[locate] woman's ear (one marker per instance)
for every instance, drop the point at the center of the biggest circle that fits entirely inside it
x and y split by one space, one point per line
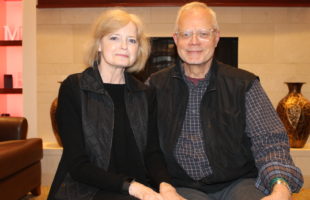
99 45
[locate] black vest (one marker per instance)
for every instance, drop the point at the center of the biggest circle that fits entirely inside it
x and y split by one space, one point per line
96 113
222 117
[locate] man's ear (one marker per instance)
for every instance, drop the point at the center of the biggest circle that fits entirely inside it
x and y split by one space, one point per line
217 37
175 38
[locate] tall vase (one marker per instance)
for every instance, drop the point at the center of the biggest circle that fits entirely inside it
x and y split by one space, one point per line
294 111
53 121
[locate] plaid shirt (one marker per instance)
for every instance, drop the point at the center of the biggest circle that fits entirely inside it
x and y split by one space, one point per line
190 151
270 145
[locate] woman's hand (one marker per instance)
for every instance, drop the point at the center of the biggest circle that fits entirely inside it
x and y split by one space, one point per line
143 192
168 192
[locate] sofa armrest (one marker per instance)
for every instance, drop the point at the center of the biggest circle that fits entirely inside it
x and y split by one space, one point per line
13 128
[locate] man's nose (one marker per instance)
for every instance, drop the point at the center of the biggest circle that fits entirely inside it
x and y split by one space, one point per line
194 39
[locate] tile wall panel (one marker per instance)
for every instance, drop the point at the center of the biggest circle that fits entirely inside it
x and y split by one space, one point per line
273 43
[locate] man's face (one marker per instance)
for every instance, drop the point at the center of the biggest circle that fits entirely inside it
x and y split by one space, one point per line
196 38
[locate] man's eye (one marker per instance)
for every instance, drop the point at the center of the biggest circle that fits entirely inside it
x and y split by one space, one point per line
204 34
186 34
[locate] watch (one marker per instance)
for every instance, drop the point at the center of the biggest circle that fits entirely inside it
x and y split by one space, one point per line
276 181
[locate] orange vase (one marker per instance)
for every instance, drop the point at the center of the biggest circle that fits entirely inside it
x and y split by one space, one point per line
294 111
53 121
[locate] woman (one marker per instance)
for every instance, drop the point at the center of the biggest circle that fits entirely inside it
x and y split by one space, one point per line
103 116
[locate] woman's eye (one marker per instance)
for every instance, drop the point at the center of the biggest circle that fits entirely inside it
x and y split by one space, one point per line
114 38
133 41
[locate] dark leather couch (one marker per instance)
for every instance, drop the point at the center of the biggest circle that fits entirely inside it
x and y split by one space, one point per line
20 159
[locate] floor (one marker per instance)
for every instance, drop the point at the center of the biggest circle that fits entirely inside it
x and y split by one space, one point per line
303 195
43 196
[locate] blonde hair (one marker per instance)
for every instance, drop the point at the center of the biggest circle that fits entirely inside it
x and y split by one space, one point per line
193 5
111 21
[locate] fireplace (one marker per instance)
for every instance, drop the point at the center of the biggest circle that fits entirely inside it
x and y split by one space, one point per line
164 54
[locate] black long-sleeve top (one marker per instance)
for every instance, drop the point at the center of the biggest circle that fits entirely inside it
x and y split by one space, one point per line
125 157
76 162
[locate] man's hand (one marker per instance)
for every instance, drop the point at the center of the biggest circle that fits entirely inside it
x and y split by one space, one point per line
168 192
143 192
279 192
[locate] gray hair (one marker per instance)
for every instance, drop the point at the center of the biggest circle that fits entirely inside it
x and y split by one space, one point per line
193 5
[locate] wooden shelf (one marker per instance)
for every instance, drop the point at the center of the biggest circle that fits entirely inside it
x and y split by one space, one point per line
11 42
107 3
11 91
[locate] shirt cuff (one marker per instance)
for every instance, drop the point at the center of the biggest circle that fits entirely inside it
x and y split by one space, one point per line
274 170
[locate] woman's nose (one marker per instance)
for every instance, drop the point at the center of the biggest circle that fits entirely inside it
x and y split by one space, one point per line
124 44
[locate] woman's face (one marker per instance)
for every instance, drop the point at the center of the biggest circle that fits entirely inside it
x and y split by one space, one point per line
120 48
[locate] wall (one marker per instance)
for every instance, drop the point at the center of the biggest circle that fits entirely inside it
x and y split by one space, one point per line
273 43
30 66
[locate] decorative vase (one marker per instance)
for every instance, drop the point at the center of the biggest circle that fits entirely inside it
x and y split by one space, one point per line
53 120
294 111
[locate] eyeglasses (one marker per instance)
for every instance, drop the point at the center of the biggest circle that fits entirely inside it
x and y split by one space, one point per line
204 34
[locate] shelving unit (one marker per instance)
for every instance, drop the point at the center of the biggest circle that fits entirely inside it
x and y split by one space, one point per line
301 157
11 91
11 58
11 42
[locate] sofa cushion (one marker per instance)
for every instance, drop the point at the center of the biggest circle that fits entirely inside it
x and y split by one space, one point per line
18 154
13 128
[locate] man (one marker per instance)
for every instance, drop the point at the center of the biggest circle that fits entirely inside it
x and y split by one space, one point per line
219 133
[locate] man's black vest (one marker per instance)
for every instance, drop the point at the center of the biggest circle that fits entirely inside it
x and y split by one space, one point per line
222 118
